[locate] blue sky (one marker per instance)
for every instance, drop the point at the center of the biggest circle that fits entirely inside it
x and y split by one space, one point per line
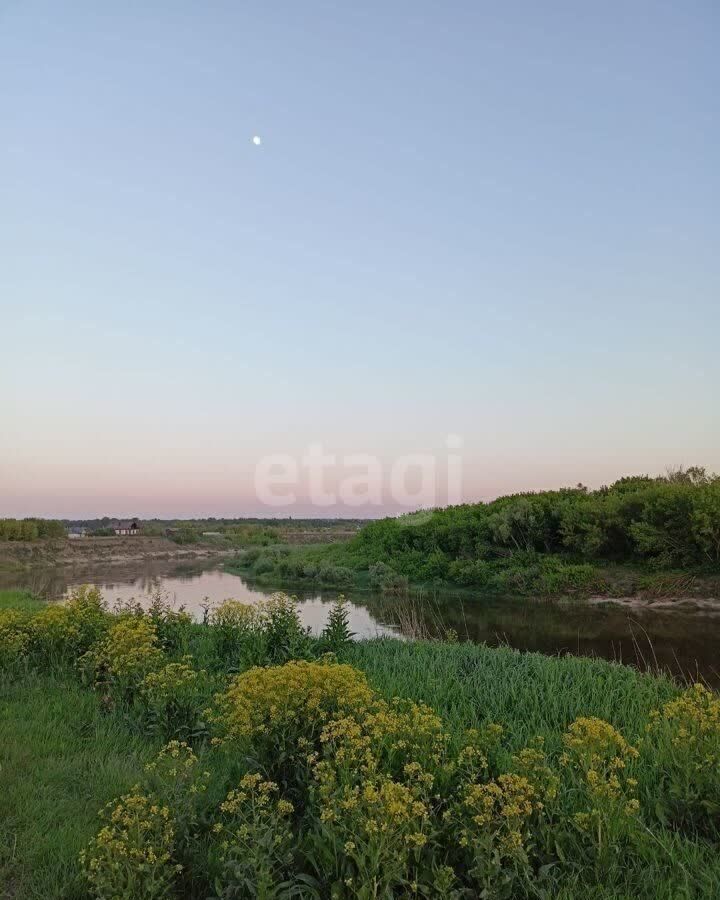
496 221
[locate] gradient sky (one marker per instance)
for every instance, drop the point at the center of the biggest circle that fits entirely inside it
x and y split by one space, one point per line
499 221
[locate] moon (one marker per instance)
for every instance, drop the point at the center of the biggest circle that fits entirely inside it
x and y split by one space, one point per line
257 140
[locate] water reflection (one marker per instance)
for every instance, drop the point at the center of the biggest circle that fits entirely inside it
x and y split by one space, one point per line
196 590
684 642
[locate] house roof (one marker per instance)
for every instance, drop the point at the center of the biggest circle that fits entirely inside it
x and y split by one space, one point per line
124 525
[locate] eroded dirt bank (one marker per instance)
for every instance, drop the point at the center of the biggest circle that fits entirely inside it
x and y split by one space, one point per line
110 551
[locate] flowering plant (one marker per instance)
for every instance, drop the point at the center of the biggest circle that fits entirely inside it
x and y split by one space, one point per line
254 849
595 760
172 699
684 737
132 854
14 636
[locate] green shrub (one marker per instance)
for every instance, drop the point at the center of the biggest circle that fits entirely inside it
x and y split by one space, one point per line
178 782
683 743
119 663
370 838
172 625
284 635
385 579
470 572
61 633
231 626
596 761
336 634
277 714
186 534
30 529
254 843
15 637
132 855
335 576
491 823
659 522
173 699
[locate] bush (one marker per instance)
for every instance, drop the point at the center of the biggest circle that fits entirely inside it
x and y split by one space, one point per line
595 761
15 631
385 579
30 529
470 572
492 825
401 738
336 634
132 855
254 842
172 700
263 564
705 523
122 660
546 575
278 713
684 741
268 632
232 624
185 535
335 576
563 578
63 632
373 834
435 566
661 522
177 782
284 636
172 625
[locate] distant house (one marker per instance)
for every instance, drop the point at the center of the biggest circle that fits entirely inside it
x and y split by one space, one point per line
77 533
129 527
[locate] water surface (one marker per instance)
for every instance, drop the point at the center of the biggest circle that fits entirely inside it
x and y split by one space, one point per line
682 641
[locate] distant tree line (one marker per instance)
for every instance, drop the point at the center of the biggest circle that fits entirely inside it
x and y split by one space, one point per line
30 529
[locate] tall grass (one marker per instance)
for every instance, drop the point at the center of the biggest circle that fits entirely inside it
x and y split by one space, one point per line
528 693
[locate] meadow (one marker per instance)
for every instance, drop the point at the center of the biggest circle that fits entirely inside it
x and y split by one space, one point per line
145 755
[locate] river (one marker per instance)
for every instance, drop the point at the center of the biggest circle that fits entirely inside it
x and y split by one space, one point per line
684 642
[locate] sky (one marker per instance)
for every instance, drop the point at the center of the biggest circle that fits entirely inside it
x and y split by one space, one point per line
497 222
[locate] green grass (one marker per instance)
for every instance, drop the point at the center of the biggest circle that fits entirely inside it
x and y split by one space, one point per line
19 600
528 693
61 759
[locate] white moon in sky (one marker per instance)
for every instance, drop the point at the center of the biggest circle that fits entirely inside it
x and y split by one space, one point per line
257 140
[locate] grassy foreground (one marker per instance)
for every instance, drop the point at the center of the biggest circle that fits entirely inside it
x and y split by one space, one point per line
307 780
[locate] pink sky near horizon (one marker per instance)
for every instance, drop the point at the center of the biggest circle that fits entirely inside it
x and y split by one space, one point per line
75 491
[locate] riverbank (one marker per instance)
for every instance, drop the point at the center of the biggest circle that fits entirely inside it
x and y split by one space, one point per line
528 574
104 551
68 749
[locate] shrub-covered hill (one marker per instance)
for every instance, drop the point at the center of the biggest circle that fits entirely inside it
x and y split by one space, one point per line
549 541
